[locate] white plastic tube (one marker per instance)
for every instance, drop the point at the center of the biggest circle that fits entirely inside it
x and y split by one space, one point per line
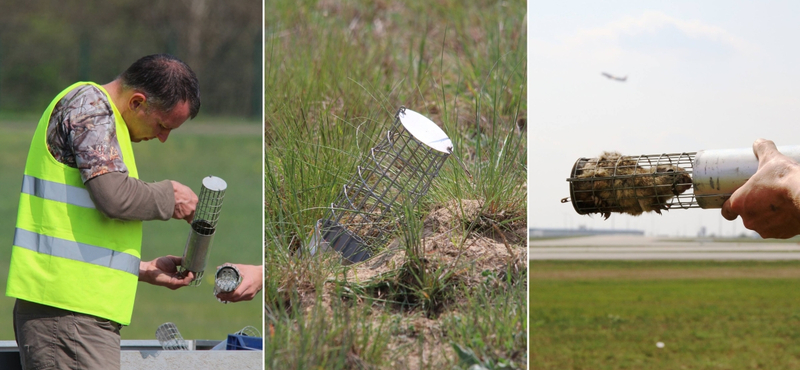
718 173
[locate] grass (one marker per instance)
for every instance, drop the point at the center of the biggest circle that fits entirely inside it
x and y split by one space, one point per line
187 157
336 73
723 321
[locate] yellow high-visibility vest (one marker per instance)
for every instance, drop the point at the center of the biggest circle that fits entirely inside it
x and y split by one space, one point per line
66 253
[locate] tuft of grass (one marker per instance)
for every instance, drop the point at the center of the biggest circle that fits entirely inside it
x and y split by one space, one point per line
488 328
420 282
329 337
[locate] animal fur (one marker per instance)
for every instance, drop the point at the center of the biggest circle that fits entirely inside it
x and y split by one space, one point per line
615 183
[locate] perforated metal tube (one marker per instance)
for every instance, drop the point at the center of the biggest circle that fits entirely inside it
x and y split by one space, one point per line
227 279
204 225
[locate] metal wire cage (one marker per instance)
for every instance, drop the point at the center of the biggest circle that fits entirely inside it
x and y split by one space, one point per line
613 183
204 225
209 204
399 170
170 338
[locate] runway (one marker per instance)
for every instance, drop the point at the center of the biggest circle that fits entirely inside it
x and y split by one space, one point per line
629 247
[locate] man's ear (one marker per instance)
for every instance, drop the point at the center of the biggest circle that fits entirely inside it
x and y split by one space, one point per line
137 101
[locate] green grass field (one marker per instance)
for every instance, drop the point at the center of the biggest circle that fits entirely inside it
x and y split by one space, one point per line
230 149
709 315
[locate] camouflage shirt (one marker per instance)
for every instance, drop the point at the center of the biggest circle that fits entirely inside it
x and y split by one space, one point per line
82 133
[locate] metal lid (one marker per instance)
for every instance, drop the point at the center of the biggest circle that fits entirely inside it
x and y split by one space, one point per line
214 183
425 130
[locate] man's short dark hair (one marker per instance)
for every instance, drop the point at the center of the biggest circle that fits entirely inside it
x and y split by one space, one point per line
165 81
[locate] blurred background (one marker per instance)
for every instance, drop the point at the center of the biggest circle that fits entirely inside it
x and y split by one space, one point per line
47 45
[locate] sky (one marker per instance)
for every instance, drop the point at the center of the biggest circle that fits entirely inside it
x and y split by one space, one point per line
701 75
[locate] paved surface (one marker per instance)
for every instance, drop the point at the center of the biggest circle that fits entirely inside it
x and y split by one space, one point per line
173 360
630 247
147 355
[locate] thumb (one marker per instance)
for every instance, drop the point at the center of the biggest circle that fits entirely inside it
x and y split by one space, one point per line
727 212
764 150
175 259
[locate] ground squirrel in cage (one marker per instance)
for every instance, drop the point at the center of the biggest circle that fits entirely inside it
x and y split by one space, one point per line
620 184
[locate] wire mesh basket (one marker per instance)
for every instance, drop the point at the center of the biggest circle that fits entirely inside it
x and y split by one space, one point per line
204 225
613 183
397 171
209 205
170 338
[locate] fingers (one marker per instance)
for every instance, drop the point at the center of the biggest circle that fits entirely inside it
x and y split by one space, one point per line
238 295
189 210
178 282
185 202
764 150
175 259
727 212
163 271
189 277
252 282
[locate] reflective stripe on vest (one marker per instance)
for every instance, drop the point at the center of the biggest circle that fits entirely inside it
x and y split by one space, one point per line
76 251
66 253
58 192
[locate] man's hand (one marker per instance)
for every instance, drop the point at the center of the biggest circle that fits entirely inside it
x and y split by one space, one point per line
769 202
252 282
185 202
163 271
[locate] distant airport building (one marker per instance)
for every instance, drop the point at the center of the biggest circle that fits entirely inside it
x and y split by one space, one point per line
580 231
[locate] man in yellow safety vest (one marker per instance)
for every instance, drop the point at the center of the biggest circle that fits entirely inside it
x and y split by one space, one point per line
77 245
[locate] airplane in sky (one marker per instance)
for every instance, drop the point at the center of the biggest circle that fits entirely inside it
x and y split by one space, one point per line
620 79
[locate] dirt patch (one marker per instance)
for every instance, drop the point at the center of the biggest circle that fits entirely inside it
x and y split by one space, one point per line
471 215
444 243
466 257
425 340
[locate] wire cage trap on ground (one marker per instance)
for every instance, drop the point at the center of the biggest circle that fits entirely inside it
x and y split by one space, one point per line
396 172
204 225
613 183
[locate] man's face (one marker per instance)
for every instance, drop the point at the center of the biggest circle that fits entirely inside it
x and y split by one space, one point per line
146 122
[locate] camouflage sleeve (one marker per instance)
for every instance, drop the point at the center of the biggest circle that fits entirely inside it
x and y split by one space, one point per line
84 133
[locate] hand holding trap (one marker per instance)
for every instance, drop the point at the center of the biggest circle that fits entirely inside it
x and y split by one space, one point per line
204 225
399 170
227 279
613 183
